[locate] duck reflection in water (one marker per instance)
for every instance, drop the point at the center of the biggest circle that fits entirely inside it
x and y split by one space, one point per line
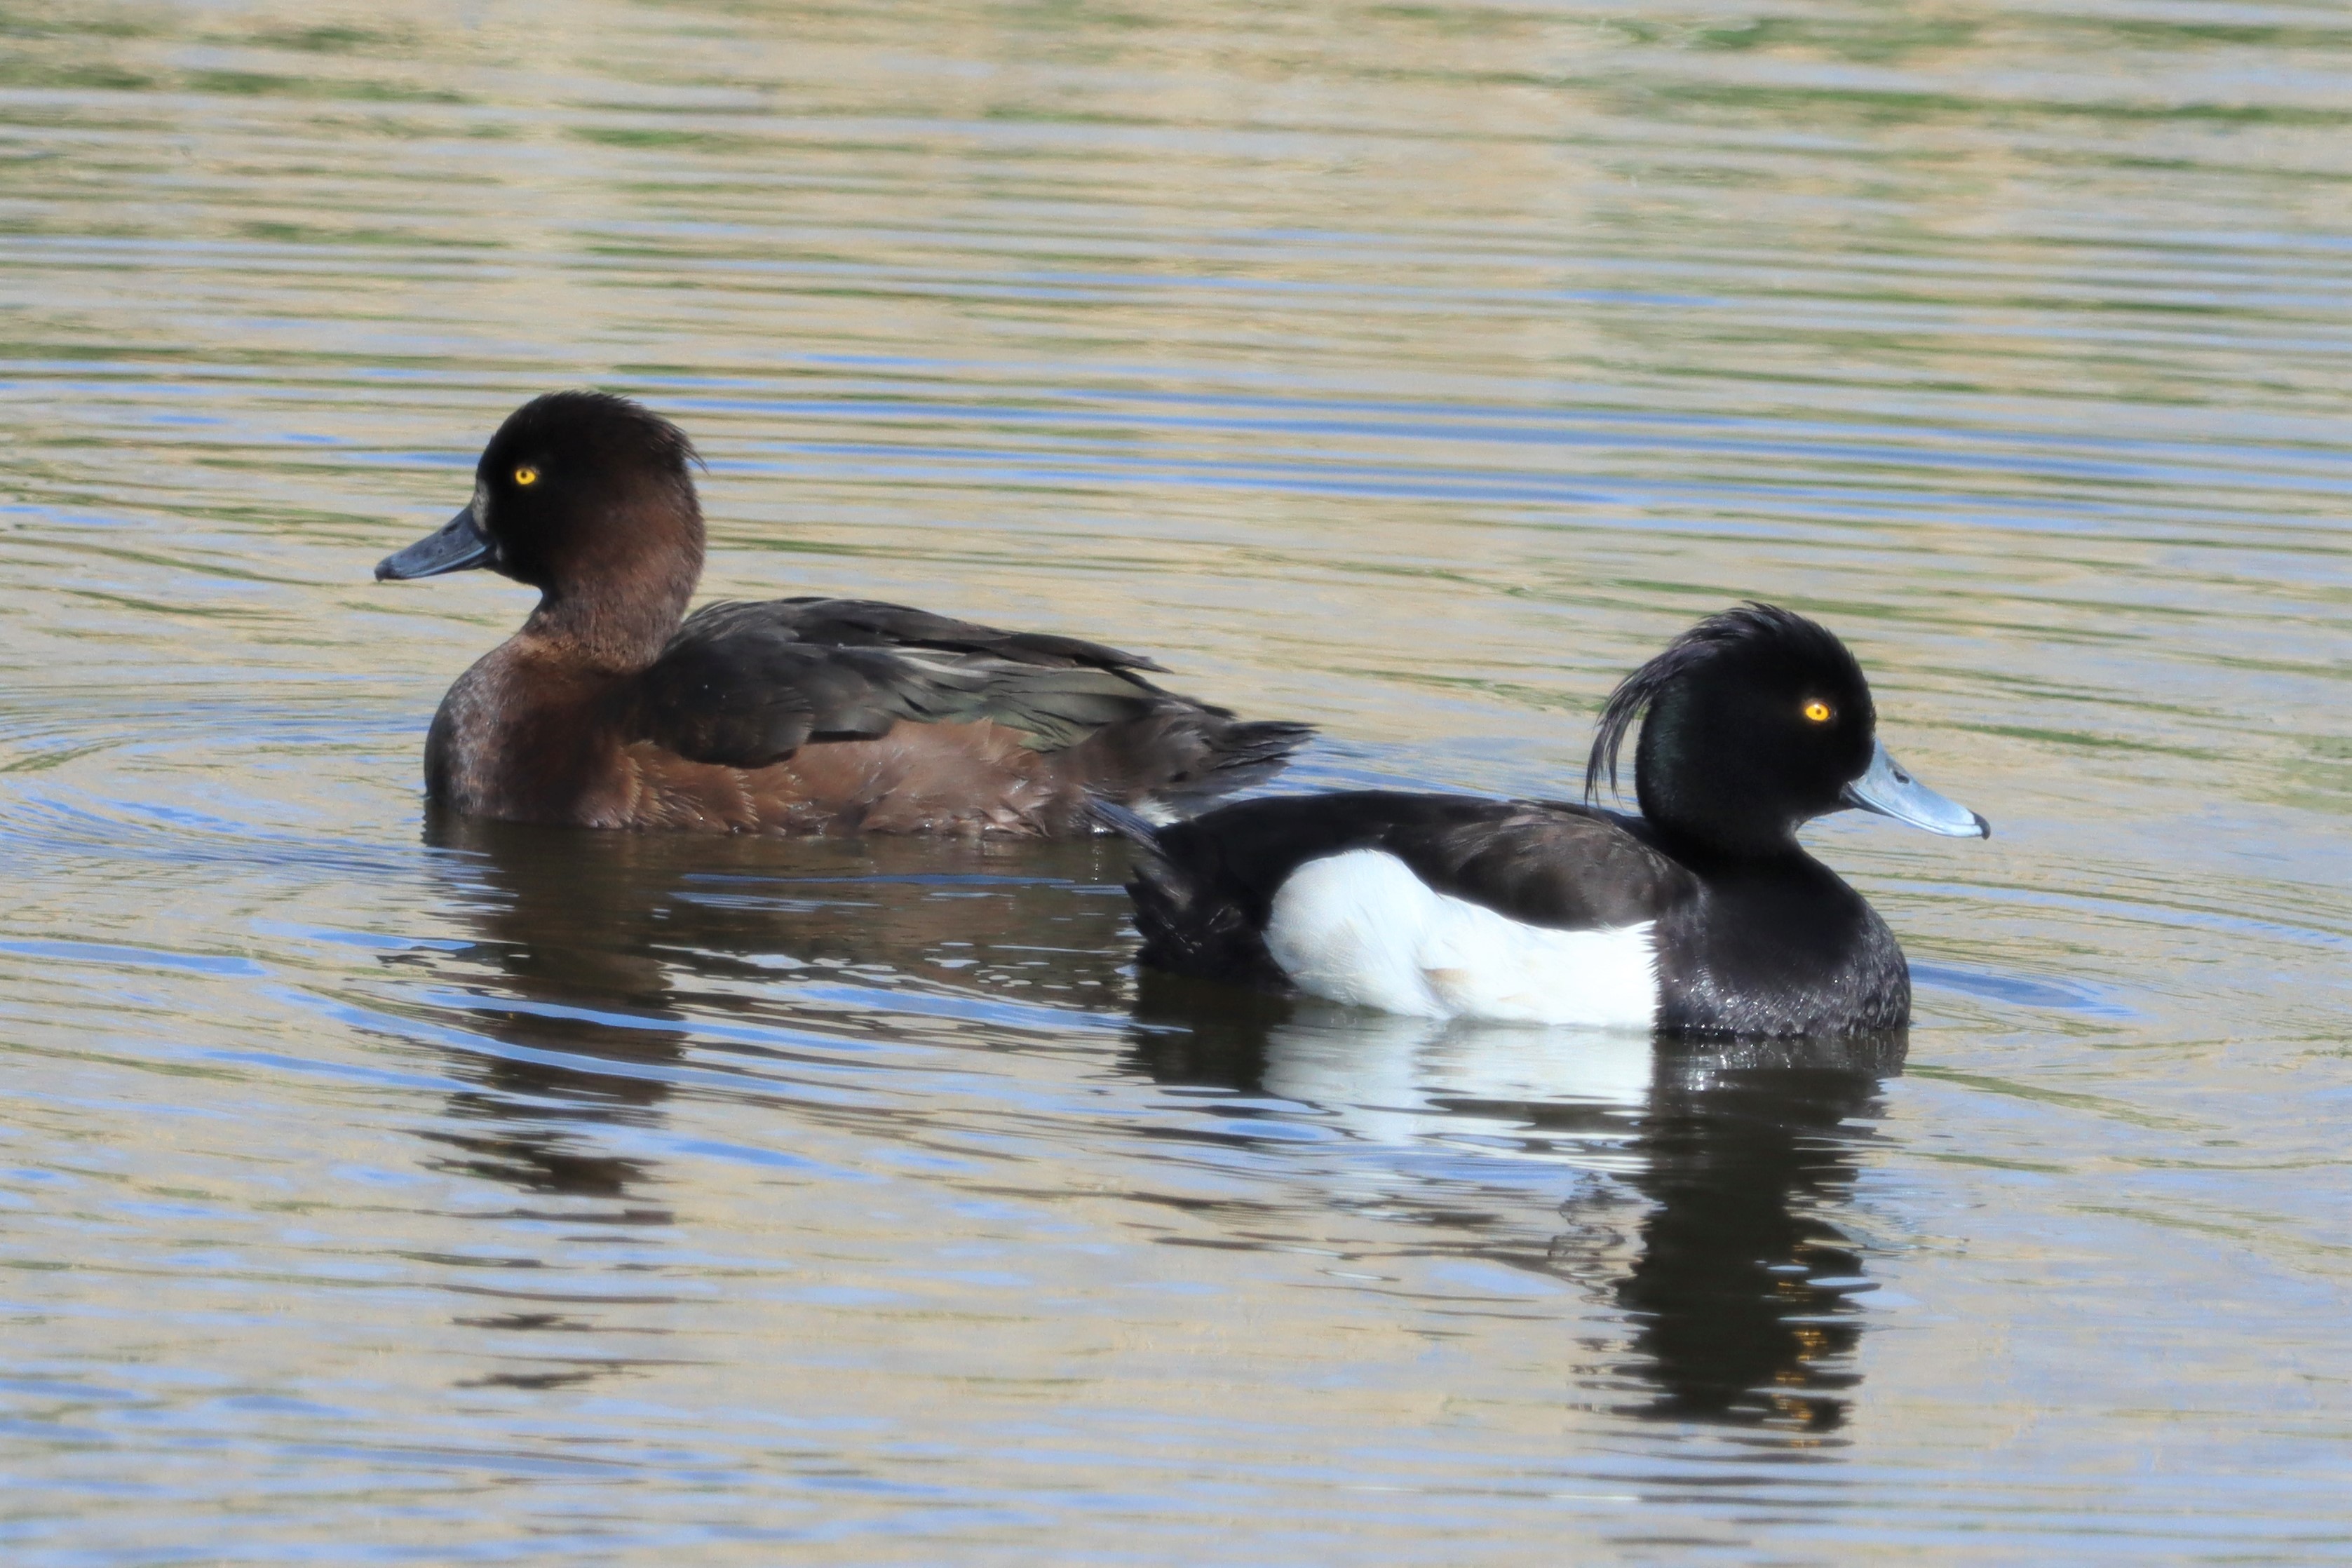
563 967
594 950
600 961
1706 1182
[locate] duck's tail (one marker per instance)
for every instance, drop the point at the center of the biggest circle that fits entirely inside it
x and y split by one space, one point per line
1189 921
1179 756
1237 756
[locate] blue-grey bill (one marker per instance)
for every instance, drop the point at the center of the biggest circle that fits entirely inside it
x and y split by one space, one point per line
455 546
1888 789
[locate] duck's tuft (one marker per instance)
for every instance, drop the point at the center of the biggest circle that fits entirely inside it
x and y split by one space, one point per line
1745 627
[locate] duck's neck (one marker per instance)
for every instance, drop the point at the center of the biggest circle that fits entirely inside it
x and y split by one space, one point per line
1714 801
617 622
1744 849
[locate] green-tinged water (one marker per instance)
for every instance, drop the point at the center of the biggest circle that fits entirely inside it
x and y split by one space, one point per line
378 1193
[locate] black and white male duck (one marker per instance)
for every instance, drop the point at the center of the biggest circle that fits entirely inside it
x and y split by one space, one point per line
613 708
1702 916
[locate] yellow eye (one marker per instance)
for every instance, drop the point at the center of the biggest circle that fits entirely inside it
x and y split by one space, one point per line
1818 711
526 475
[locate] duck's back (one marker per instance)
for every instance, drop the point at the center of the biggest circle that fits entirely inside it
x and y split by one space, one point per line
832 715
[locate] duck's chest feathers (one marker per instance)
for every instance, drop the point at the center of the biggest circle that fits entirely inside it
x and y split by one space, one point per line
525 738
1789 952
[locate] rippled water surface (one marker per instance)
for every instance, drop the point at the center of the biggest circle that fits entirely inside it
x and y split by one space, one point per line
383 1190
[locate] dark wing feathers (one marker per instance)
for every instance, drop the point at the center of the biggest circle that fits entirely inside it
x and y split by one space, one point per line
1558 866
867 623
1205 888
748 684
748 704
1059 708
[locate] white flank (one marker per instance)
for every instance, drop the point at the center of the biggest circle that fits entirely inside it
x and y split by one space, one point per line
1361 928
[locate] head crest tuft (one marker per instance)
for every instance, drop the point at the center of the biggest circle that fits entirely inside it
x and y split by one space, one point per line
1743 625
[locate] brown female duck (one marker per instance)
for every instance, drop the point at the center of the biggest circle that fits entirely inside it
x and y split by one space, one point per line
613 708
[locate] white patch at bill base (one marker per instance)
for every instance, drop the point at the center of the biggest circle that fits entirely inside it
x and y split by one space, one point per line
1360 928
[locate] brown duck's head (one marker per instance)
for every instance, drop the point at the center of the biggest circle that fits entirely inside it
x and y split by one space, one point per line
586 496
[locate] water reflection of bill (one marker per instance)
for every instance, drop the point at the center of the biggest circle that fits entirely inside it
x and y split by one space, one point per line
1702 1182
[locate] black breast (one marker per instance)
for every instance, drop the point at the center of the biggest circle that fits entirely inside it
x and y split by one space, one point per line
1783 949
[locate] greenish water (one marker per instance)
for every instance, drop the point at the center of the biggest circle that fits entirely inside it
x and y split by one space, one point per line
372 1191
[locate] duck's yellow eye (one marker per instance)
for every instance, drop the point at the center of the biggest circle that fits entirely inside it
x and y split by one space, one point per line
1818 711
526 475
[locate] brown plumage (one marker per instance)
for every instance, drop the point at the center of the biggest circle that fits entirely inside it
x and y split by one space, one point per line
611 708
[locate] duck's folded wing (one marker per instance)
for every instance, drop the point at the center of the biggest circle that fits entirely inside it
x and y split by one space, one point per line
868 623
748 684
1558 866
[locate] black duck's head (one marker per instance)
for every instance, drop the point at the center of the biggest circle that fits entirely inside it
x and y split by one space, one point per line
1757 722
583 495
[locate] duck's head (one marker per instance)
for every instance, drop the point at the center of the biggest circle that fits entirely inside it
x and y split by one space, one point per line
584 496
1757 722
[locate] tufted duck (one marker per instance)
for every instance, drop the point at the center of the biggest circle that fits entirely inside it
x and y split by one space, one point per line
1702 916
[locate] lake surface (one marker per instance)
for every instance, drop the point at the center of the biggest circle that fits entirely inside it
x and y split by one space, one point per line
378 1190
